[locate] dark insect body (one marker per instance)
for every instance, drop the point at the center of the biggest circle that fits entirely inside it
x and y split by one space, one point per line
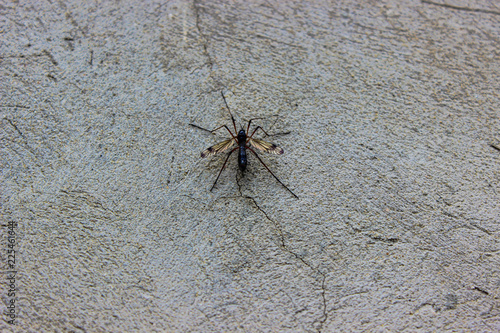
242 154
244 142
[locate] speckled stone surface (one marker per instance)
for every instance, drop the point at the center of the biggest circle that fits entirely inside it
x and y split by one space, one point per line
393 151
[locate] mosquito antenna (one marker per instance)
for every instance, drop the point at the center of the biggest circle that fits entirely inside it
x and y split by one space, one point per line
227 106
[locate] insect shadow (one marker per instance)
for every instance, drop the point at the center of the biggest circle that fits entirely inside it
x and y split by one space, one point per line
244 142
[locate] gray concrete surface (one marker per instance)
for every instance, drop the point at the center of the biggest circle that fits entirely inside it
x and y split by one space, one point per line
393 113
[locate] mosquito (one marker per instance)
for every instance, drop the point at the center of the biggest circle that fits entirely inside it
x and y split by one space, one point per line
244 142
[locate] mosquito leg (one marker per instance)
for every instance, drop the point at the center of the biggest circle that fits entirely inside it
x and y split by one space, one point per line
214 130
258 127
282 133
233 135
248 128
250 121
255 130
227 106
196 126
272 172
227 158
274 115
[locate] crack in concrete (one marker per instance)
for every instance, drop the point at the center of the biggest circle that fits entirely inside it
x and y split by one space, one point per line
390 240
18 106
482 291
44 53
497 147
15 127
284 247
197 6
467 9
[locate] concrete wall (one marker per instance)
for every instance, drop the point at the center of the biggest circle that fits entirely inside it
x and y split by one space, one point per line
393 151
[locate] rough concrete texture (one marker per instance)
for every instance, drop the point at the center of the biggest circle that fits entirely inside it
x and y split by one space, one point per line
393 113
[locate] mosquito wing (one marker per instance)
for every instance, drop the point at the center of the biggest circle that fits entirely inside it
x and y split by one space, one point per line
266 146
218 148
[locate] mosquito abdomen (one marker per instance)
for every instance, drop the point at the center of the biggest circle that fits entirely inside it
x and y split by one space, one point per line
242 158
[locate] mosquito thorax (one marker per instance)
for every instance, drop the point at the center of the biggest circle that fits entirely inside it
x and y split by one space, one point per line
242 137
